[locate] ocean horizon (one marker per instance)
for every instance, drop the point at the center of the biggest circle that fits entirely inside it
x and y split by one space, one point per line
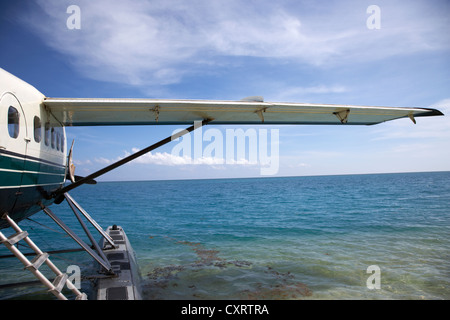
358 236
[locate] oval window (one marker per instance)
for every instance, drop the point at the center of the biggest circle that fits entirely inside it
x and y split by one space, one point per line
63 138
53 136
13 122
47 134
37 129
57 140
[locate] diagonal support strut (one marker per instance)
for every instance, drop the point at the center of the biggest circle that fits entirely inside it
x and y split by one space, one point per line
123 161
104 263
94 223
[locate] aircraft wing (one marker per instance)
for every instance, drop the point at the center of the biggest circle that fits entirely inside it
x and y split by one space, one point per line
95 112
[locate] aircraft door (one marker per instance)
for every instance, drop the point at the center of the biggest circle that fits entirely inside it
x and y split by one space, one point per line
13 148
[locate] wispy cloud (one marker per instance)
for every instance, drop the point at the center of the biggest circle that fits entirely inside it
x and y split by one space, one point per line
168 159
148 43
289 93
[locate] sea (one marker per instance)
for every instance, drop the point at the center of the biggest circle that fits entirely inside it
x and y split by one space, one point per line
340 237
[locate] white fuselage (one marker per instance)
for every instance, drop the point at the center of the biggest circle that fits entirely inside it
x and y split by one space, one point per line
33 149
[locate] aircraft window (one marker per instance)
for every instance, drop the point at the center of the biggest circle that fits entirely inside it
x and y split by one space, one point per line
61 139
47 134
13 122
37 129
57 140
53 138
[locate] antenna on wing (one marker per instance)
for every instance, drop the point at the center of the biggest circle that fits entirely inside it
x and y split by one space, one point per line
253 99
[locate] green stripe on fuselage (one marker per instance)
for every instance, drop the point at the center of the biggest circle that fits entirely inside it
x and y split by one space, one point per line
11 163
27 172
43 167
31 178
10 178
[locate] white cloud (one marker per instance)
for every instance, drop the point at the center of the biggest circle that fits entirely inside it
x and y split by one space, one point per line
158 42
289 93
82 163
102 161
168 159
162 159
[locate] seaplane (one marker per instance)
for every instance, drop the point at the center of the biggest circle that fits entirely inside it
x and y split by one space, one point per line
37 170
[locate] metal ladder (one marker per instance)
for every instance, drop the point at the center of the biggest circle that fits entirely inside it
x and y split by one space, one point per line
61 279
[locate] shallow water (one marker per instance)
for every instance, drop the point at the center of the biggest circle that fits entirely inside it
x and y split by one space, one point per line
271 238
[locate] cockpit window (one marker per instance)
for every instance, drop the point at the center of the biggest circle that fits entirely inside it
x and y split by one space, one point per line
13 122
37 129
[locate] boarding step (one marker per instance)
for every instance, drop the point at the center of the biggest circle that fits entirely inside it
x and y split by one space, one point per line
82 296
59 283
37 261
12 240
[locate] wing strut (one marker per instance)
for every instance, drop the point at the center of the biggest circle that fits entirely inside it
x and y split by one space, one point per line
104 263
123 161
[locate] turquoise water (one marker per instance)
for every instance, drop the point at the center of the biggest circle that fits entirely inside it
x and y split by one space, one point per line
269 238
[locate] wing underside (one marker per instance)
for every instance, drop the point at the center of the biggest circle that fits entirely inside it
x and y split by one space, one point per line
94 112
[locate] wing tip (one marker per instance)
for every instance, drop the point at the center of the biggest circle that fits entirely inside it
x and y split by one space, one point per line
429 113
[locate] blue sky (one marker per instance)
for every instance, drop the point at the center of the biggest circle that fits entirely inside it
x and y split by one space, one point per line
293 51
